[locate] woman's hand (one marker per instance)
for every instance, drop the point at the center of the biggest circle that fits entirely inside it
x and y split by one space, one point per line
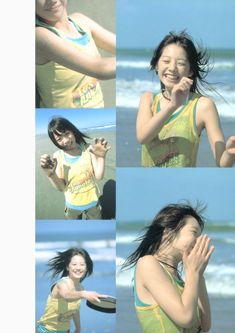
230 146
48 164
197 260
180 92
92 296
100 147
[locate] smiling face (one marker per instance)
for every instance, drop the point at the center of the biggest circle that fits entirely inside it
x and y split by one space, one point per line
66 140
50 10
77 267
187 236
172 65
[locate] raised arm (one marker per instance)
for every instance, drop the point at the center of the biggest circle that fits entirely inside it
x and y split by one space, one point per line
98 153
51 47
104 39
180 308
224 153
204 306
148 125
53 172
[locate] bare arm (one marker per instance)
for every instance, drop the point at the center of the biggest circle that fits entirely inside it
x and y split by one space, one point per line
208 117
98 153
62 290
148 125
104 39
204 306
181 309
51 47
52 170
76 320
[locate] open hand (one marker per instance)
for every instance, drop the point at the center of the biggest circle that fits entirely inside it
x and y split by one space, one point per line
48 164
230 146
92 296
197 259
99 148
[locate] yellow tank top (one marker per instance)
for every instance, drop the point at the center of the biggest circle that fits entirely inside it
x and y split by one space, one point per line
81 188
59 312
177 143
154 320
60 87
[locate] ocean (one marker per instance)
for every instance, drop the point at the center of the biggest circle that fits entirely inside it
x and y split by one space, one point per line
219 275
98 238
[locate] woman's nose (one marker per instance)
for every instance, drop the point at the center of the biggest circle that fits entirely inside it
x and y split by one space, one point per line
172 66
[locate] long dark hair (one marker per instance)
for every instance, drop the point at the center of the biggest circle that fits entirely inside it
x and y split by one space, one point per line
58 264
60 125
198 58
172 219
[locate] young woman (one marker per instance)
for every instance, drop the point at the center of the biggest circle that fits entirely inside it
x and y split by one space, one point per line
68 64
169 124
63 303
163 301
74 169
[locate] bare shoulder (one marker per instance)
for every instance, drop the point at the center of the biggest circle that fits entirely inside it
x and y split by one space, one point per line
206 110
146 96
147 261
205 103
82 19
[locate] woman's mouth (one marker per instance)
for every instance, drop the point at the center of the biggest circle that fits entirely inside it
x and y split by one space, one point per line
54 8
171 77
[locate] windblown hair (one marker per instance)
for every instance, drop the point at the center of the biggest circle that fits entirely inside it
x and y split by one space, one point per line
58 265
60 125
172 219
197 56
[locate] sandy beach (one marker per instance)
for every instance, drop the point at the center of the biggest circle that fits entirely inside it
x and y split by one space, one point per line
129 150
50 202
102 12
221 308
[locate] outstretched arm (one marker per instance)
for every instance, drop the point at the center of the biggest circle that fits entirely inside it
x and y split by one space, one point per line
224 153
51 47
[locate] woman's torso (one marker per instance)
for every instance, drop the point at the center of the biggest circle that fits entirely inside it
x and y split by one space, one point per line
176 145
60 87
153 319
77 171
59 312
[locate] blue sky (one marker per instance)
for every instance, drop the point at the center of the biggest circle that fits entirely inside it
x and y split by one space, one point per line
79 117
144 23
142 192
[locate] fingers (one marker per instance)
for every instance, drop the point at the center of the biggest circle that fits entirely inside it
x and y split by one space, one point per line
101 142
47 162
